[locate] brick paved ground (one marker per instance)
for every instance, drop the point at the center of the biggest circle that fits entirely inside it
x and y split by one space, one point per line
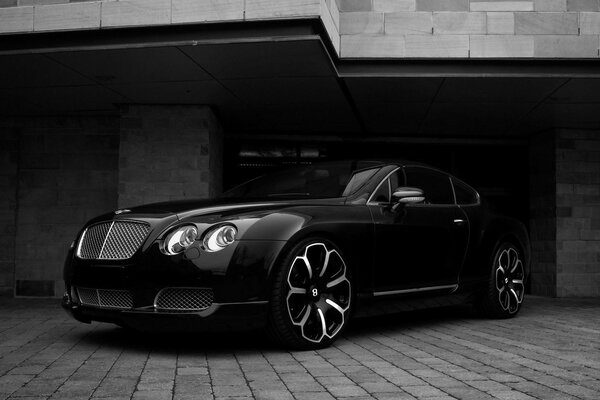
551 351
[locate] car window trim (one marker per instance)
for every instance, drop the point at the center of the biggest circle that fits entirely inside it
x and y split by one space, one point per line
453 191
377 203
477 196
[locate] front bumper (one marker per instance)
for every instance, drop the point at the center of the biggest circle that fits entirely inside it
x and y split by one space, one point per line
218 317
237 277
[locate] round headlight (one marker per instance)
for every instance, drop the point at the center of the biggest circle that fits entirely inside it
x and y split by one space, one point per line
219 238
180 239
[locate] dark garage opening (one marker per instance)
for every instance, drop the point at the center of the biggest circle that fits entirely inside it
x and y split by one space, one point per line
499 171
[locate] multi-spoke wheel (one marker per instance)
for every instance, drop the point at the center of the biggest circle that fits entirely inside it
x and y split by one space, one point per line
312 295
506 287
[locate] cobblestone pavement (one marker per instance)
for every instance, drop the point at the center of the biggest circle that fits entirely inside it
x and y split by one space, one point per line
551 351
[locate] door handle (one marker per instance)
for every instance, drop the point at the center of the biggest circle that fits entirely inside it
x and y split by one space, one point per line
459 221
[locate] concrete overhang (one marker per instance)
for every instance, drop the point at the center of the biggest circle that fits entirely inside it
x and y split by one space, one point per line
284 76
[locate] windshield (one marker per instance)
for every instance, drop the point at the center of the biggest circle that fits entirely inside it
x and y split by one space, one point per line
325 180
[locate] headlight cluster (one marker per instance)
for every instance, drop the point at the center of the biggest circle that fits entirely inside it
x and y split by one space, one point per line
180 239
219 238
214 240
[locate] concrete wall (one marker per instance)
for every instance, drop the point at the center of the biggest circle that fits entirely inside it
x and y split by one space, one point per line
469 28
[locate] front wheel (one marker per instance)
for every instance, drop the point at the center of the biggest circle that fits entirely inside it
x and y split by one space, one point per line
506 283
311 296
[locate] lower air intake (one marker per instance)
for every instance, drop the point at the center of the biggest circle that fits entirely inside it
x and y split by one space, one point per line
105 298
183 299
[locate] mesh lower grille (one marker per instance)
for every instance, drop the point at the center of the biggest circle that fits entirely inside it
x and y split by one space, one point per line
183 299
105 298
115 240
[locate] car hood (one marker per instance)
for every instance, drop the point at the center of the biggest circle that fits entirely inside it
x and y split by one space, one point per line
214 207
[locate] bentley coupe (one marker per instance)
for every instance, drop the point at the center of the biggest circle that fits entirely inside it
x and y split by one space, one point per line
299 253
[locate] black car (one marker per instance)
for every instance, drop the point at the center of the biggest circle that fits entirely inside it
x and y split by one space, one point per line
300 252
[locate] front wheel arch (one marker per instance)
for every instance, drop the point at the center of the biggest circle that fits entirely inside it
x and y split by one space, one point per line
303 235
298 320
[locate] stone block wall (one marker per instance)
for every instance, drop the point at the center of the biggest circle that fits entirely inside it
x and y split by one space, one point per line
469 28
357 28
9 143
67 175
18 16
578 213
56 173
542 223
164 154
565 213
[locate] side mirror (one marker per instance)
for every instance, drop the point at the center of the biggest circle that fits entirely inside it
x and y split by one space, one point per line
408 195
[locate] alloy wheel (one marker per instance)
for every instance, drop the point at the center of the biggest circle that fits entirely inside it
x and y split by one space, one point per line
318 292
509 279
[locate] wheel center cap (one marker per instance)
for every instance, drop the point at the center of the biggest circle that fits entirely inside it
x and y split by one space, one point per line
314 292
506 280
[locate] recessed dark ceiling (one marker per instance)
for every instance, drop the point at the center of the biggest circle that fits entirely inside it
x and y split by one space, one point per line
278 85
37 70
275 59
157 64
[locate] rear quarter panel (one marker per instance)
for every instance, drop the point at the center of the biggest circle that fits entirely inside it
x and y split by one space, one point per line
487 230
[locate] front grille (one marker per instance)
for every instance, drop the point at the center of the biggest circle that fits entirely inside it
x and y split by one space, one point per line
115 240
183 299
105 298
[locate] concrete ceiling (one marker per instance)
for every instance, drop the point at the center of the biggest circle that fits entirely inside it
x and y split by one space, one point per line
287 86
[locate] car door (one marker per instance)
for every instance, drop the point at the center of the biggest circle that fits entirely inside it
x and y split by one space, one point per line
417 246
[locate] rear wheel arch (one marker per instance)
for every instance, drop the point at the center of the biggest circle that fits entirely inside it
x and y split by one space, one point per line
504 291
500 230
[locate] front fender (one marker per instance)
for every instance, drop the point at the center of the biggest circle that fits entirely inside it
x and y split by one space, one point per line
350 228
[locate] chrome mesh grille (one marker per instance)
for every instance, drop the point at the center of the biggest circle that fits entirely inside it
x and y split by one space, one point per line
92 240
105 298
116 240
183 299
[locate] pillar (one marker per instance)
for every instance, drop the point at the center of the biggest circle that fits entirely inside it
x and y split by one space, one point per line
565 213
169 153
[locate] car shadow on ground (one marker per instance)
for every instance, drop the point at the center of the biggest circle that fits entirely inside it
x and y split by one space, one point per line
108 335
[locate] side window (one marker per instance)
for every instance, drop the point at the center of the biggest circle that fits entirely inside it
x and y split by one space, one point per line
397 180
464 193
436 185
383 193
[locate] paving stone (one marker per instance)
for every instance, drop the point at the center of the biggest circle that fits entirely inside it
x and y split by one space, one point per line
550 351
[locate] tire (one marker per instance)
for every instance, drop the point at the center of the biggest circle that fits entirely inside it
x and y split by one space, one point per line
503 296
311 296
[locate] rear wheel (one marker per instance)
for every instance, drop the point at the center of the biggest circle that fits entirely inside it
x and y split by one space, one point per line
506 284
311 296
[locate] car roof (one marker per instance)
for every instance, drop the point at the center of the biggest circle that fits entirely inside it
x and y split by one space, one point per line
383 162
